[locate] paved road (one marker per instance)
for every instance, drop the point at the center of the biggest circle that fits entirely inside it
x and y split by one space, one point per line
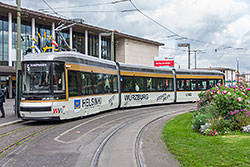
107 139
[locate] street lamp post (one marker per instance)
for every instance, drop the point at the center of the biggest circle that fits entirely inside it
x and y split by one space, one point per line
237 70
18 57
195 56
195 59
188 46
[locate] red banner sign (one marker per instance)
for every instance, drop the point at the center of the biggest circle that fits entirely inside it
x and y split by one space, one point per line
159 63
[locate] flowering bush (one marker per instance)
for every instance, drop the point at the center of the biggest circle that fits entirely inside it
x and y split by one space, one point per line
227 104
211 132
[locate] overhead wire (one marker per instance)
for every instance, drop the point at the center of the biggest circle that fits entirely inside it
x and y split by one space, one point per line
98 11
173 34
58 14
156 22
93 4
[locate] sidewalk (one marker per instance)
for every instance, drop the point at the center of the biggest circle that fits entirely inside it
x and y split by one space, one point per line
10 116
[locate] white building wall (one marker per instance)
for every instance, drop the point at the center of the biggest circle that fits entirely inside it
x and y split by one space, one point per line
120 50
135 52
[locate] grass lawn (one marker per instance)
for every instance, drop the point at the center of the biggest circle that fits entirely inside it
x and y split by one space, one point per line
194 149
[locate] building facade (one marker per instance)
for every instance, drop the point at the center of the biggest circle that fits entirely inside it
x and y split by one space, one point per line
84 38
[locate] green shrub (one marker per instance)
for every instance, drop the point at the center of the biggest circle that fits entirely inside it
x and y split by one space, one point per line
221 125
199 120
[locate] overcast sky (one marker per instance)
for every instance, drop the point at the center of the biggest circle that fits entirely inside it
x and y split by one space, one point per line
219 29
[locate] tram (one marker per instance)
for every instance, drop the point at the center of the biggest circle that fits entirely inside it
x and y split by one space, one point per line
65 85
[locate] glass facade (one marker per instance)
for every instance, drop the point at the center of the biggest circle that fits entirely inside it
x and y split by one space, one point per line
79 42
93 45
45 32
60 42
4 39
106 48
26 40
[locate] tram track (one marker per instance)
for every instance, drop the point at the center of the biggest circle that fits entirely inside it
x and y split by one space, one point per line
33 131
140 134
95 130
97 155
101 147
12 132
31 134
96 118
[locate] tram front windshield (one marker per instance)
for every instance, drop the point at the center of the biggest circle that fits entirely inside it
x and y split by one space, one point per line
43 81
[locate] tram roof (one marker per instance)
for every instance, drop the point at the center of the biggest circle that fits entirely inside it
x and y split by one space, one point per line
195 72
66 56
141 68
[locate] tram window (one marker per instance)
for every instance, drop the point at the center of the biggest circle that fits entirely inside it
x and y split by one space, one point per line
193 84
107 83
188 84
115 87
97 83
36 78
86 83
127 84
204 85
180 84
211 83
139 84
169 84
58 78
160 84
199 84
73 83
150 84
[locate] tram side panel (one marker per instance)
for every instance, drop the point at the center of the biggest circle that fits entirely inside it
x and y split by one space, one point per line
187 96
87 105
141 88
91 89
146 98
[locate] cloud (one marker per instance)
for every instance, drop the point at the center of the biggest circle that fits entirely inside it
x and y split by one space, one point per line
223 24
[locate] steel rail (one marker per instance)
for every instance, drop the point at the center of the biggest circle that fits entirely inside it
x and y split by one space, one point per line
140 134
95 159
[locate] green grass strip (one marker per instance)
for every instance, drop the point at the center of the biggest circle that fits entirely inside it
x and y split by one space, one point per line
194 149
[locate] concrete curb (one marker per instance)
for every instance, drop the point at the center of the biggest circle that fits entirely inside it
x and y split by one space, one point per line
10 123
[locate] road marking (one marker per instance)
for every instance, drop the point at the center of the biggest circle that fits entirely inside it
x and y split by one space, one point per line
10 123
67 131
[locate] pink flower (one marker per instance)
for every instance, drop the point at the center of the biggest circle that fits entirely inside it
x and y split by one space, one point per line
229 93
224 92
239 99
248 89
218 84
230 97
